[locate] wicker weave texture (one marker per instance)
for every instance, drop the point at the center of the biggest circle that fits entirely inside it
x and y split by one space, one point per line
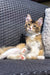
12 19
27 67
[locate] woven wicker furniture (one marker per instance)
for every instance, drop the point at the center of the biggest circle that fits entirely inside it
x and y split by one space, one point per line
12 20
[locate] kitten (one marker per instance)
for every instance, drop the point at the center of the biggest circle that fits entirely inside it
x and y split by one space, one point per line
33 49
34 38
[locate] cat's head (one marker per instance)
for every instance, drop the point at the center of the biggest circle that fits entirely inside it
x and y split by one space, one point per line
31 26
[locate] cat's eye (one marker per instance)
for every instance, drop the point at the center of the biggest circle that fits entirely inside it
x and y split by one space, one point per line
29 24
34 25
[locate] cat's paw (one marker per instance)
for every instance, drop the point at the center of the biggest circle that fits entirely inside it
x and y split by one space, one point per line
16 56
24 51
31 56
40 57
13 56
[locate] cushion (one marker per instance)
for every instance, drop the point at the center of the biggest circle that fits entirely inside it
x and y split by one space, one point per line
46 32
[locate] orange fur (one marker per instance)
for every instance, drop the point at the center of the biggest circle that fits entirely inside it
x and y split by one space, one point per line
41 52
3 49
34 43
33 28
20 46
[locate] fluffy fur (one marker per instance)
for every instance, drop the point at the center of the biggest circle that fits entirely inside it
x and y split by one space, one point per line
46 32
17 52
33 48
34 38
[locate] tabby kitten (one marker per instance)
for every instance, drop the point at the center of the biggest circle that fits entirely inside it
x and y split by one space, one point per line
34 38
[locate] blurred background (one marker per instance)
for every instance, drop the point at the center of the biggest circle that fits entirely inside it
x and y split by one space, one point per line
45 2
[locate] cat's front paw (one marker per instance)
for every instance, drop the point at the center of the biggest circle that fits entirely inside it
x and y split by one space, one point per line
31 56
40 57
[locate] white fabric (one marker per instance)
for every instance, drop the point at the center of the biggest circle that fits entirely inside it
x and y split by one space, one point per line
46 31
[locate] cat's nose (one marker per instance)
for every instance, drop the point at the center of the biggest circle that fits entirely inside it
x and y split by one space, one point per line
30 28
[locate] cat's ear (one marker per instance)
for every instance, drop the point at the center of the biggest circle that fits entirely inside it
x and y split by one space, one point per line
28 18
40 21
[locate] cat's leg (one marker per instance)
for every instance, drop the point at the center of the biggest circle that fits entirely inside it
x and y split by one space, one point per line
4 49
16 56
9 52
21 45
1 51
35 56
41 55
31 56
7 48
13 56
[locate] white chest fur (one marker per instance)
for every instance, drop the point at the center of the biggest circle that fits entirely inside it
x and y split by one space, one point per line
33 36
34 45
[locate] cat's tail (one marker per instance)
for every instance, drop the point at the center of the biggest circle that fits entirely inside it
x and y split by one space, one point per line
9 52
